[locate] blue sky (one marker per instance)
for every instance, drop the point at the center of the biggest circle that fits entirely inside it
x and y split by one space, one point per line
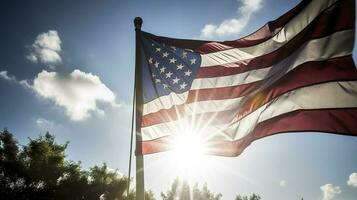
91 43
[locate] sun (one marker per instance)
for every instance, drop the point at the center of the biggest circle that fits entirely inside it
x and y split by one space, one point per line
189 152
188 155
188 148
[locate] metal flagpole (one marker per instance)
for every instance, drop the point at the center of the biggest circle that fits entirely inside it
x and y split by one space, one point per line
140 188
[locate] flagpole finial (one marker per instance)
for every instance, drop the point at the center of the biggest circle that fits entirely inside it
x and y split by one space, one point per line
138 21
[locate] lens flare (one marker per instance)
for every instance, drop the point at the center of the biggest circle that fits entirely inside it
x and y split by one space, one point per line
188 152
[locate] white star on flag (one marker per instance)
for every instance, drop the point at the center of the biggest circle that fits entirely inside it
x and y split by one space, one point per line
188 73
173 60
183 85
179 67
158 49
168 75
193 61
157 64
165 54
150 60
175 80
162 69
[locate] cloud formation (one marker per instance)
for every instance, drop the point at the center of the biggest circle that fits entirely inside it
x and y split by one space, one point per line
352 180
116 172
329 191
44 123
46 48
235 25
282 183
6 76
77 92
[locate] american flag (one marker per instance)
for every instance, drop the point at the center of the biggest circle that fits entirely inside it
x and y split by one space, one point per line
295 74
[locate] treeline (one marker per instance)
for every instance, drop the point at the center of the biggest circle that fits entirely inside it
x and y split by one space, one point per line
39 170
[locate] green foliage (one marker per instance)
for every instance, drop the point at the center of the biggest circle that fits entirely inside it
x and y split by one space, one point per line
12 168
251 197
44 160
39 170
181 190
8 154
73 182
204 193
149 195
105 181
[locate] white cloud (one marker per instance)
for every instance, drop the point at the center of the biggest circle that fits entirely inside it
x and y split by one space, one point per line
6 76
25 84
116 172
46 48
330 191
235 25
282 183
32 57
352 181
44 123
77 92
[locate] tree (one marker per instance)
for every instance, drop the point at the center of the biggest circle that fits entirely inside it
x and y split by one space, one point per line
181 190
11 167
44 160
172 193
73 183
251 197
40 170
104 181
204 193
149 195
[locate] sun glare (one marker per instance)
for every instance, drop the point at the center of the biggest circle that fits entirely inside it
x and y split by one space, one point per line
188 153
187 147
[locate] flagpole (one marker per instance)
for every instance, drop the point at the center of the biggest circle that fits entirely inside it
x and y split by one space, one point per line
140 187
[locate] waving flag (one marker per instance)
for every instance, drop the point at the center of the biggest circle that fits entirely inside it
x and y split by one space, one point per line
294 74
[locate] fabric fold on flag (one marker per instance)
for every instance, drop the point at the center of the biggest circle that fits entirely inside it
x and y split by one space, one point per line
295 74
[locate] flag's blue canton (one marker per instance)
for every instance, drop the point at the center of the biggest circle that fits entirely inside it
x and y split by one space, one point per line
167 69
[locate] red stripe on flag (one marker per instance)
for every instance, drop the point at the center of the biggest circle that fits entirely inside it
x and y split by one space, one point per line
337 18
296 121
340 69
337 69
264 33
329 121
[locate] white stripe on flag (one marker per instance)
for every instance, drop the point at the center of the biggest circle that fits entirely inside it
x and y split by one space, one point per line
321 96
291 29
335 45
164 102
